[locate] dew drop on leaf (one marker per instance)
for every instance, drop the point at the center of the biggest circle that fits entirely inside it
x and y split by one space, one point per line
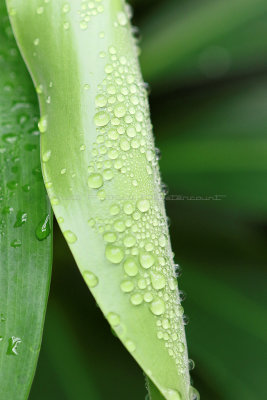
70 237
43 230
113 319
91 279
20 219
13 343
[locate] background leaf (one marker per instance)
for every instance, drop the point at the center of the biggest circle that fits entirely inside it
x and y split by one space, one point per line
25 216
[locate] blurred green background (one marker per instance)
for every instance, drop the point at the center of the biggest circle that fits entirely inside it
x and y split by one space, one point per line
206 63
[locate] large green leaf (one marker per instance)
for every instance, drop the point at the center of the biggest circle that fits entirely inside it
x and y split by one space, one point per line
203 39
25 224
100 169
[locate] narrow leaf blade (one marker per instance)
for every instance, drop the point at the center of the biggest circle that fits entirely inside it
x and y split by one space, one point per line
24 208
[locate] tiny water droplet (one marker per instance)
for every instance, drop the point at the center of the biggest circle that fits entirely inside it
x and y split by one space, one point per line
16 243
130 345
20 219
90 278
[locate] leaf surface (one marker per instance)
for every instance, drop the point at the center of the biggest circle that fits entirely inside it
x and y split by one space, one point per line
25 228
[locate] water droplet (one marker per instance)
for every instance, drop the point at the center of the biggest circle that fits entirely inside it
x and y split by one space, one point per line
122 18
20 219
114 254
46 155
130 266
100 100
191 364
108 174
157 280
43 228
36 41
90 278
193 394
157 306
110 237
120 110
16 243
148 297
136 299
147 260
129 241
13 343
54 201
127 286
95 181
42 124
130 345
83 25
113 319
70 237
143 205
173 395
66 8
40 10
101 118
114 209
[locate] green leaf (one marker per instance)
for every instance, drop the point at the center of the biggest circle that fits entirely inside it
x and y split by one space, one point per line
24 208
62 360
194 40
101 172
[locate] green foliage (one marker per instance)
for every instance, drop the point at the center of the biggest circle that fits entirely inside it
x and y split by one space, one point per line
100 169
210 122
25 224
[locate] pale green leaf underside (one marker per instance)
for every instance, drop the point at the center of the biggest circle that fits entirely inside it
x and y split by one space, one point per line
101 173
25 265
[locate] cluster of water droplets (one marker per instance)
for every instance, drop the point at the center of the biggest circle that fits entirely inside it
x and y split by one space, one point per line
133 224
89 9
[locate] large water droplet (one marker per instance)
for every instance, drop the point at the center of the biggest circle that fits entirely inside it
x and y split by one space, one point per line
114 254
95 181
13 343
147 260
101 118
43 228
157 280
173 395
130 266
